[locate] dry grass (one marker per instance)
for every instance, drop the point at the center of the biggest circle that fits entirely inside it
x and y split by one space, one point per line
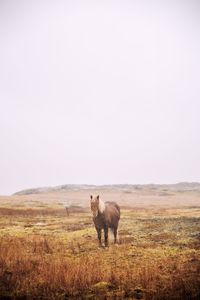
45 254
39 266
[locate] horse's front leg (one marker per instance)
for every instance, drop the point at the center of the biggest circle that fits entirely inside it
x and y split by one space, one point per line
106 236
99 235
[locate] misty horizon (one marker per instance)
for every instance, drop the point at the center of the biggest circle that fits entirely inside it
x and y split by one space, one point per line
103 92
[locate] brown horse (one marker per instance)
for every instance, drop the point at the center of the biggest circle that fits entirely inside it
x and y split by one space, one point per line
105 215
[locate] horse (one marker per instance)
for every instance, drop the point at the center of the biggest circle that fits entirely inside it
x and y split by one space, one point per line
105 215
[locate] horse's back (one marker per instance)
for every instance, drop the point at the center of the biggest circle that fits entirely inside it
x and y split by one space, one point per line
111 205
112 214
114 204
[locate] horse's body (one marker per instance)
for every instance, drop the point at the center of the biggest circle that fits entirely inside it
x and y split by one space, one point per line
105 216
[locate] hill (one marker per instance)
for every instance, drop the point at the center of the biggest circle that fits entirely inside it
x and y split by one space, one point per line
178 187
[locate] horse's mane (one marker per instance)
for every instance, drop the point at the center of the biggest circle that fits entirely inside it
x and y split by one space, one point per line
101 206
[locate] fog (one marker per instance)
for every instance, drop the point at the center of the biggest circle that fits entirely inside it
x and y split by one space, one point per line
99 92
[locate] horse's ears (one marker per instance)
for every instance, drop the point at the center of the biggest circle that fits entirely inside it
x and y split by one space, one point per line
98 197
91 197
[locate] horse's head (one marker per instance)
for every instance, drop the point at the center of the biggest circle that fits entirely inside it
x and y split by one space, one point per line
94 203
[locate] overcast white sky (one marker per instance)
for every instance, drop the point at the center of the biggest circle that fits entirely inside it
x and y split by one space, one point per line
99 92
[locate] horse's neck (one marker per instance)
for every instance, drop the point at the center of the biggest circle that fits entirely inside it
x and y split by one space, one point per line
101 206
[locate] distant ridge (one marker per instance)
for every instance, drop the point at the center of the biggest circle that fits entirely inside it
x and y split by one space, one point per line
181 186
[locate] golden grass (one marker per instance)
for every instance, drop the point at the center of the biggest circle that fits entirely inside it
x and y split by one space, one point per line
40 266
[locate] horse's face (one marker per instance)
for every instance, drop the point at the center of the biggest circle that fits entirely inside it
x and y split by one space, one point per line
94 203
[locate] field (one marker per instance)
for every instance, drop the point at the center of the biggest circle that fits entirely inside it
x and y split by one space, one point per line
48 252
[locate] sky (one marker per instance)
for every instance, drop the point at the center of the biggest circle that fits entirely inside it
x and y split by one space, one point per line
99 92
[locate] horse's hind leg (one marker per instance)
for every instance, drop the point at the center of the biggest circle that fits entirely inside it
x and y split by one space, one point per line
115 234
106 236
